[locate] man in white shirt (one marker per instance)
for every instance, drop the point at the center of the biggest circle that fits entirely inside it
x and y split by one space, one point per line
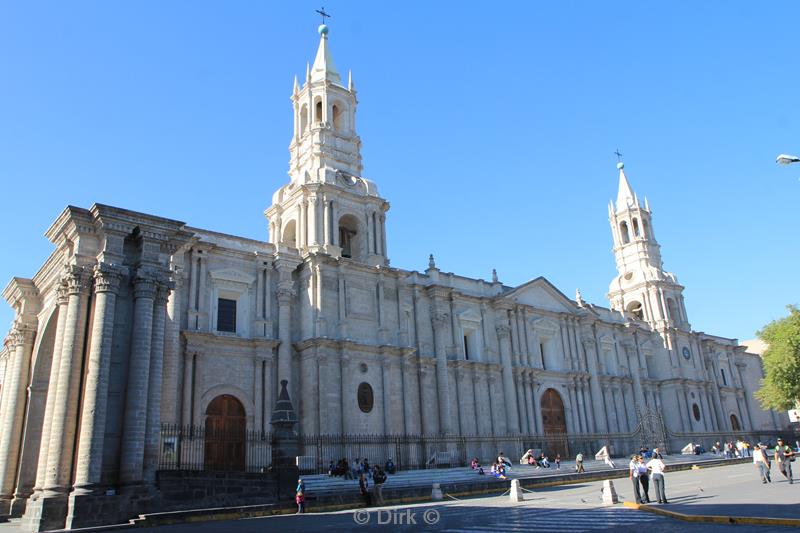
633 475
761 461
656 467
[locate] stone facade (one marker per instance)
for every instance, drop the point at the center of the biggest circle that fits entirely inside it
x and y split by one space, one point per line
121 330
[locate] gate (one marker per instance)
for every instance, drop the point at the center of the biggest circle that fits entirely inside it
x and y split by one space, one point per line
650 431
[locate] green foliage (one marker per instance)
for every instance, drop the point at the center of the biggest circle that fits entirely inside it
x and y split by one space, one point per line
780 388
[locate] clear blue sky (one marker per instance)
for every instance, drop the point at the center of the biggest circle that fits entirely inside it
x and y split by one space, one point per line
491 130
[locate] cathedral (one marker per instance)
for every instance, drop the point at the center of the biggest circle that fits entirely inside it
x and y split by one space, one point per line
137 321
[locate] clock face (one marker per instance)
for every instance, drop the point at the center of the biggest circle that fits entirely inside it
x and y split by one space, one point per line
686 353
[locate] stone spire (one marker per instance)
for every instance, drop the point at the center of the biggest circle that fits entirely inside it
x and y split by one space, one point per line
323 68
625 195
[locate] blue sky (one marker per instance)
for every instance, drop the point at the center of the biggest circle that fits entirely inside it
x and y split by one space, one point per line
491 131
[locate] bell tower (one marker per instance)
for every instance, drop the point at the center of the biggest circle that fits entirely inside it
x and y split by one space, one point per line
327 206
643 289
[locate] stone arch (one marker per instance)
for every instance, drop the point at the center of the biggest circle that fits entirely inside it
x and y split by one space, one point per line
338 116
231 390
351 237
735 425
289 237
672 309
623 230
41 365
225 434
318 110
635 308
303 119
636 231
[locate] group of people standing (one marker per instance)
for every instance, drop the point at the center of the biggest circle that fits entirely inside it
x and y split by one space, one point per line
641 473
783 454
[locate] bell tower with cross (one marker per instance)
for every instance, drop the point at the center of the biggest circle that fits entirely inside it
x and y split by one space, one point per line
328 206
642 289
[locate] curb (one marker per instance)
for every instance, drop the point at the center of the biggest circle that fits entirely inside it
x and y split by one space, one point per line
716 519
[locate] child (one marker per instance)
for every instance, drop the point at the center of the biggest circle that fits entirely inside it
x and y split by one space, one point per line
300 498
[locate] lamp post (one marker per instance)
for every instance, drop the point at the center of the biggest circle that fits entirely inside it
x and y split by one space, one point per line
785 159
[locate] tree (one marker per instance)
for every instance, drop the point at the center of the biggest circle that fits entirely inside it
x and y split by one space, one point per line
780 388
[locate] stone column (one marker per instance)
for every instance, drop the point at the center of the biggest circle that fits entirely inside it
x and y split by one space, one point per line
581 407
611 412
62 300
428 410
313 222
521 410
93 417
386 383
527 383
504 334
633 365
600 422
494 409
153 427
62 431
134 424
442 378
22 336
188 387
285 293
410 417
347 387
170 391
537 411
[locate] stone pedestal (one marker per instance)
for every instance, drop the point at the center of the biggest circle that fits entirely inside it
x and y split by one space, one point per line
516 491
609 494
285 446
45 513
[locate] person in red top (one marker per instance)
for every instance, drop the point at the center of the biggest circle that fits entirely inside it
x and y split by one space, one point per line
300 499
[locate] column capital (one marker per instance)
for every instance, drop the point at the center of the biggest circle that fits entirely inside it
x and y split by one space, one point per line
106 278
503 330
440 319
22 333
284 295
144 286
76 279
163 288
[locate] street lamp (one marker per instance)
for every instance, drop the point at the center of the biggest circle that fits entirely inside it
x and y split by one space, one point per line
785 159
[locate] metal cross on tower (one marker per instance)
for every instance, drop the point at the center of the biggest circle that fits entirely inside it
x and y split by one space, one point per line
322 13
619 155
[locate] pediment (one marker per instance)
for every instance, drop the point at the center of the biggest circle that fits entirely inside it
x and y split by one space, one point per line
541 294
470 315
231 274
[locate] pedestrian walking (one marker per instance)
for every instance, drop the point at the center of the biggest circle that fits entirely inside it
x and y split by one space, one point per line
579 463
363 488
378 479
761 460
558 461
656 467
300 499
301 486
784 455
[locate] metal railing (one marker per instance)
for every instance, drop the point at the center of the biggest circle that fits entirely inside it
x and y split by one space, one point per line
197 448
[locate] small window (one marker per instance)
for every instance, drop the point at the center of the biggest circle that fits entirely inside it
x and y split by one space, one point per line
318 112
466 348
724 379
541 351
696 412
623 229
226 315
366 398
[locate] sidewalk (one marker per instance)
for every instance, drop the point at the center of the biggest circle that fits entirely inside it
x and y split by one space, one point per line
733 496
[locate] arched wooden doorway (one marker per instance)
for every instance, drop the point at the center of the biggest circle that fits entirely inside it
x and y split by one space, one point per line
554 424
735 426
226 426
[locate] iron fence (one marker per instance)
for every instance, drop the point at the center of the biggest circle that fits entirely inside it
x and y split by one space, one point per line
201 448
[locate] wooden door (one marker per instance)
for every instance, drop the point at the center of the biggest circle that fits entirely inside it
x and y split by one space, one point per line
226 427
554 424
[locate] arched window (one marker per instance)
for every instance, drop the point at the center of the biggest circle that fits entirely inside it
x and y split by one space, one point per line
290 234
338 118
635 308
636 227
318 111
735 426
696 411
645 230
623 229
724 379
303 119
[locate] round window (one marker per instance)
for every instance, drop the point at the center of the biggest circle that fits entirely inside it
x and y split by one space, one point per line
363 367
366 399
696 412
687 354
629 276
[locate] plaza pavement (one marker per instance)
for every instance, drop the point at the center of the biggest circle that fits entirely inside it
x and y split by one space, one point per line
734 488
